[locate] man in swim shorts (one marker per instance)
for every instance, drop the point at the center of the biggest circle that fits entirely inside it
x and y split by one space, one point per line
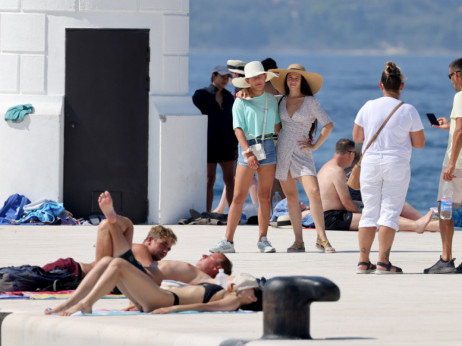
340 211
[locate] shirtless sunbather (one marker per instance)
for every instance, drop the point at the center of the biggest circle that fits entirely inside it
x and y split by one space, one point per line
340 211
109 271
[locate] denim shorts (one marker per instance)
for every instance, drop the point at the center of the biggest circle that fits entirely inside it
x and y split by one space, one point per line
270 151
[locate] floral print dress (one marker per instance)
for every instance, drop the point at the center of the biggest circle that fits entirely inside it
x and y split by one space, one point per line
289 155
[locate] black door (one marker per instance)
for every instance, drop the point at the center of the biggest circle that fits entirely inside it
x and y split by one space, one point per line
106 121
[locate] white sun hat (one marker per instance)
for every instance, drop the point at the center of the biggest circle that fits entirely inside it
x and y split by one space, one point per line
252 69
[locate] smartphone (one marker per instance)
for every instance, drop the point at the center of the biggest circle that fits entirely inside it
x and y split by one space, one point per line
431 117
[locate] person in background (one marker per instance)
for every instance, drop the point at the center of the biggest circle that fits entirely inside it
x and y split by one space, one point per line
254 120
452 171
217 103
299 111
385 168
236 67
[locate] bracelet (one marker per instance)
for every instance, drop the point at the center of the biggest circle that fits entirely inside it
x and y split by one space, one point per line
249 150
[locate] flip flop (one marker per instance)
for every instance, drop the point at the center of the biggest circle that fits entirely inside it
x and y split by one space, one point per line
370 268
398 270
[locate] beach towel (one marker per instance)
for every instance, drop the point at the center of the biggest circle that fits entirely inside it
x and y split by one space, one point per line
283 209
47 212
13 209
109 312
17 113
47 295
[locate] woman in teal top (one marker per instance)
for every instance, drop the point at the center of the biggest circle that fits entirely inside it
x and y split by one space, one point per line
250 128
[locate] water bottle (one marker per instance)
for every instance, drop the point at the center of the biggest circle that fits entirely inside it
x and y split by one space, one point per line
222 279
446 200
276 199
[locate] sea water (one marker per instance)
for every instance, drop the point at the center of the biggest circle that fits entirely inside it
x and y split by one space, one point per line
349 81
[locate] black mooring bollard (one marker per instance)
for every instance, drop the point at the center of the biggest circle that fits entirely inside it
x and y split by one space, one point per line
286 304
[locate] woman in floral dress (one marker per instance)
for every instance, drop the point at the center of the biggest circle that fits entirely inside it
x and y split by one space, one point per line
299 112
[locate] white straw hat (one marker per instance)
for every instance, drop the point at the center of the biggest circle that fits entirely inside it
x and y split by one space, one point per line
245 281
252 69
236 66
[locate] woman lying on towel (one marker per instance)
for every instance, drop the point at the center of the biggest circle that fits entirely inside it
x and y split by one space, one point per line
131 278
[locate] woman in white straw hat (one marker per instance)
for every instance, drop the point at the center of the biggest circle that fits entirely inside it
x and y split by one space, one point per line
299 111
255 121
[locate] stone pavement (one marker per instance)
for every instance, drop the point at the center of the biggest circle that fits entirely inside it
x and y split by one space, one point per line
409 309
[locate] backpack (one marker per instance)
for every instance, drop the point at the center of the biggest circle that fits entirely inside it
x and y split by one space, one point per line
34 278
13 208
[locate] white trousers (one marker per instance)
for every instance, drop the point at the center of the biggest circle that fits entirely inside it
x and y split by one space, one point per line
384 182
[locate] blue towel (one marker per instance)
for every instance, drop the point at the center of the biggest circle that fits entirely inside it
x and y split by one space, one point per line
47 213
17 113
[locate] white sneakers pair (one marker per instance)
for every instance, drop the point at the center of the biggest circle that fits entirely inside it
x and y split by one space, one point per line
224 246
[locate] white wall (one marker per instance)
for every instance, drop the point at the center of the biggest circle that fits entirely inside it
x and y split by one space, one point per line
32 66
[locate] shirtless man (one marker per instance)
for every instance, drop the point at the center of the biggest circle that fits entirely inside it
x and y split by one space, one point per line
121 247
340 211
155 247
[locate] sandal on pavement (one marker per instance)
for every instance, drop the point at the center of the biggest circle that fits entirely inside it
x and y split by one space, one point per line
324 245
297 247
370 268
397 270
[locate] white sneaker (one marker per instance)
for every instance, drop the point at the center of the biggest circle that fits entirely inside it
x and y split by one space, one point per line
265 246
223 246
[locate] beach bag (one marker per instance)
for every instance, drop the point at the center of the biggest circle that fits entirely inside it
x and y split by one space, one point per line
34 278
353 181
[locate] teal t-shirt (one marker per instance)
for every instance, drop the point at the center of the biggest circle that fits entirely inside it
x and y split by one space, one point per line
249 115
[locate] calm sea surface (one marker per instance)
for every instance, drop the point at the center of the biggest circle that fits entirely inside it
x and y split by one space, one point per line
349 81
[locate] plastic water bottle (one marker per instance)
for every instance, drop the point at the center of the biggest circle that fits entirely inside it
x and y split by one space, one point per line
446 201
222 279
276 199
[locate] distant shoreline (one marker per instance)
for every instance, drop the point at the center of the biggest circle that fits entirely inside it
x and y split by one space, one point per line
372 52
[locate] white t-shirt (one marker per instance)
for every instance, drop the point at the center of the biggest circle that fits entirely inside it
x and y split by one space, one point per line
394 139
455 113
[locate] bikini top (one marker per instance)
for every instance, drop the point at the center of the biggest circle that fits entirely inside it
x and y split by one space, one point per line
210 290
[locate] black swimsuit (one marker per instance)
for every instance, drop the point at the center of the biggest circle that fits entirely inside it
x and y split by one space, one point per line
210 290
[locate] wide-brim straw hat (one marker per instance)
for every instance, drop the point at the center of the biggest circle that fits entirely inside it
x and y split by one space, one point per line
252 69
245 281
314 79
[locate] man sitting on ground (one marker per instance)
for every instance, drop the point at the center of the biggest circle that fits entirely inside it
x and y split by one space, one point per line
340 211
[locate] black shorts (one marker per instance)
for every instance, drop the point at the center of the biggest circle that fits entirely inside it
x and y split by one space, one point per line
130 257
338 220
217 154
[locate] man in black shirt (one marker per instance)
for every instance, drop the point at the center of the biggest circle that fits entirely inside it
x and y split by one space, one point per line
217 103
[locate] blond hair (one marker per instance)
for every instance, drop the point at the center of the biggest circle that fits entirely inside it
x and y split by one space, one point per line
161 232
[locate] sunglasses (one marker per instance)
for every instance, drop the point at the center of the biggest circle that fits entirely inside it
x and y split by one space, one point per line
450 75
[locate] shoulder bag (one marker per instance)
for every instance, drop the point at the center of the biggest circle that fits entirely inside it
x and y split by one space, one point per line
353 181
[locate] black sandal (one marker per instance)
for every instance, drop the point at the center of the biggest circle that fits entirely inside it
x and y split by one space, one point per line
370 268
398 270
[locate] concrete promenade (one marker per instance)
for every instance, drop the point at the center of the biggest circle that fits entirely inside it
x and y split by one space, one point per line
409 309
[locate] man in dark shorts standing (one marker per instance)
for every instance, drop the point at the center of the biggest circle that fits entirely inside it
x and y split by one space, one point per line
217 103
340 212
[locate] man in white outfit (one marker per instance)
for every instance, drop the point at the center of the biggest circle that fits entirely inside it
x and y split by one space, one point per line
452 171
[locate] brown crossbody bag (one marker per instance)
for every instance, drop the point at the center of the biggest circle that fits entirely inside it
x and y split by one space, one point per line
353 181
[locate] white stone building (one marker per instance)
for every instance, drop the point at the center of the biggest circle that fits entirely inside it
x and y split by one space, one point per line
41 42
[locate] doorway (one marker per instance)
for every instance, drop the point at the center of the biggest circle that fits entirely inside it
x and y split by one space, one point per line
106 110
